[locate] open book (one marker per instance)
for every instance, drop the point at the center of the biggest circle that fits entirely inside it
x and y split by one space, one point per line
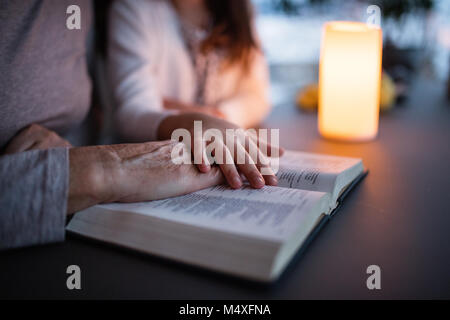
246 232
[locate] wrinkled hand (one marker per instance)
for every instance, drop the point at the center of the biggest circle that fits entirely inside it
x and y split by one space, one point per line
231 166
35 137
131 173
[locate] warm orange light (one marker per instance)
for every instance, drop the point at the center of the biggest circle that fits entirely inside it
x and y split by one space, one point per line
349 81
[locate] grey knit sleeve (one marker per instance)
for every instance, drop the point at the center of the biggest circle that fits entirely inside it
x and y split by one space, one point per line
33 197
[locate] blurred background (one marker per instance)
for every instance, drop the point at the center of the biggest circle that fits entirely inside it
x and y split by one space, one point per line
416 45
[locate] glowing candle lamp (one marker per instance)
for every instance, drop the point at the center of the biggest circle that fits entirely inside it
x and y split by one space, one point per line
349 81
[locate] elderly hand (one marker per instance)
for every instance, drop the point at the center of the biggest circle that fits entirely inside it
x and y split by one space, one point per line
229 162
35 137
131 173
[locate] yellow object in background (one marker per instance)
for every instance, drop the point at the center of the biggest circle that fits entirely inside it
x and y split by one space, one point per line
387 94
307 97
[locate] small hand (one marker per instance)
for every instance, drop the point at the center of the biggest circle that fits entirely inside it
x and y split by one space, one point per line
253 164
35 137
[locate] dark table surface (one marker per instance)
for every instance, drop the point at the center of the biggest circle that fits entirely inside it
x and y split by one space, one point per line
397 218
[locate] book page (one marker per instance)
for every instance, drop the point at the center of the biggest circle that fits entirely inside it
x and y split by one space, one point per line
272 213
313 172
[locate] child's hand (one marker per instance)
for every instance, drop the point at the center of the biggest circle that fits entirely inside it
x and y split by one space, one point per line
256 168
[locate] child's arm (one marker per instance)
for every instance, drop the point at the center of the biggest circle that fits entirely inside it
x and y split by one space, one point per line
132 57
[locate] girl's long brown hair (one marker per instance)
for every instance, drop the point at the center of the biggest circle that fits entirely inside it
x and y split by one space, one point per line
232 30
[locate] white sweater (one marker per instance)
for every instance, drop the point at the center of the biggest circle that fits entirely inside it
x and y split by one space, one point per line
149 61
